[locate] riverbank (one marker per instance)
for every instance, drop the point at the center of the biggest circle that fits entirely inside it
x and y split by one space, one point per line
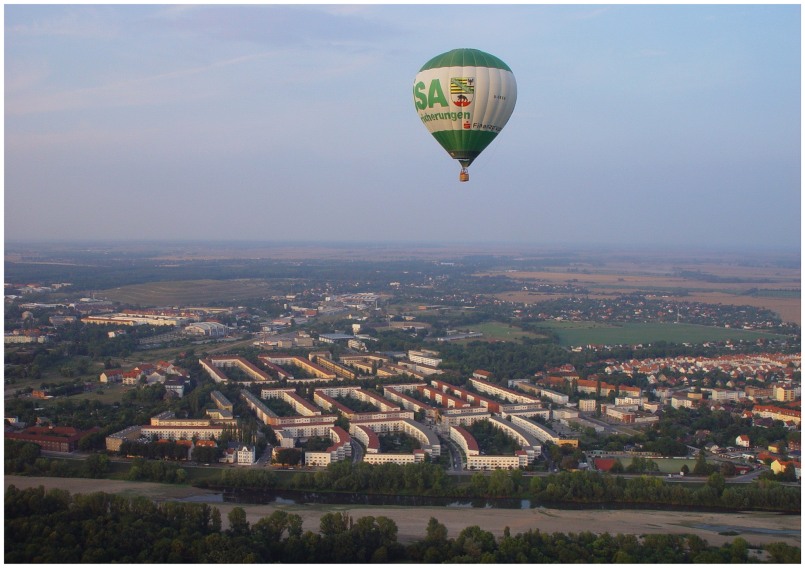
757 528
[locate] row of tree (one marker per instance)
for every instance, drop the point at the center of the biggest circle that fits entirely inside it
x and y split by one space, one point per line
428 479
57 527
580 487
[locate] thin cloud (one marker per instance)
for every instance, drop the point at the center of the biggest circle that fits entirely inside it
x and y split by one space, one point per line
592 13
88 24
158 88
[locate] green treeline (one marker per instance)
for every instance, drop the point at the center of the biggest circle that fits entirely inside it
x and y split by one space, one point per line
594 487
430 479
57 527
411 479
579 487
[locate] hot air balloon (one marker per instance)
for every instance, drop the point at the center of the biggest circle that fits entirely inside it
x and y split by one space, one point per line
464 98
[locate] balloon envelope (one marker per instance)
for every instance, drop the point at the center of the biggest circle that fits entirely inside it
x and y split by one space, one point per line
465 97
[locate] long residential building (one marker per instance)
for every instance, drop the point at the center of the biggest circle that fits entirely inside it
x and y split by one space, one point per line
424 357
401 459
340 450
500 392
51 438
366 364
168 418
465 441
264 413
341 371
409 403
442 398
221 401
528 442
287 434
318 372
288 395
477 461
543 433
115 441
463 416
366 436
777 413
324 398
429 441
183 432
473 398
595 387
255 373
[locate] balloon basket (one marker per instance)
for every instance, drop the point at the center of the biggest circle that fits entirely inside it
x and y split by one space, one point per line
464 175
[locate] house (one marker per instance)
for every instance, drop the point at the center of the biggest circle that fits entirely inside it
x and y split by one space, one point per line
154 377
131 377
111 376
145 368
245 455
742 441
176 386
778 466
240 454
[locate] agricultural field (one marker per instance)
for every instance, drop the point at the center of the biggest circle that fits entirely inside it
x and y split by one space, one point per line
188 292
594 333
775 286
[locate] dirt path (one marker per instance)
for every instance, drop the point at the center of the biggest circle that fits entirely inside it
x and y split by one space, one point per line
756 528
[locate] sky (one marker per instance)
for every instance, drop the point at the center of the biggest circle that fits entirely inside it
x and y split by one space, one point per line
672 126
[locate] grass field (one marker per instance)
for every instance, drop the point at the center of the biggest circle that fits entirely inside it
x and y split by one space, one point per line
585 333
497 331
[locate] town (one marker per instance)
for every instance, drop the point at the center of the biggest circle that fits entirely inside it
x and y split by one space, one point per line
305 379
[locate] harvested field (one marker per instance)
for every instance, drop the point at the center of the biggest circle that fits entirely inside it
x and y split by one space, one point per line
188 293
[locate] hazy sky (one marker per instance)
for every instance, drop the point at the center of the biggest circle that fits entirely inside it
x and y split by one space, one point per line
660 125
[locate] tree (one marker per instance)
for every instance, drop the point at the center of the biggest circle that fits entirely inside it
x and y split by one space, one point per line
569 463
782 553
96 466
500 483
716 481
92 441
206 454
788 474
331 524
238 525
289 456
473 542
435 532
739 551
727 469
701 467
181 475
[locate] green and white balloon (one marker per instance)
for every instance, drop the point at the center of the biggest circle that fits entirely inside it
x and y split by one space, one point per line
464 98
